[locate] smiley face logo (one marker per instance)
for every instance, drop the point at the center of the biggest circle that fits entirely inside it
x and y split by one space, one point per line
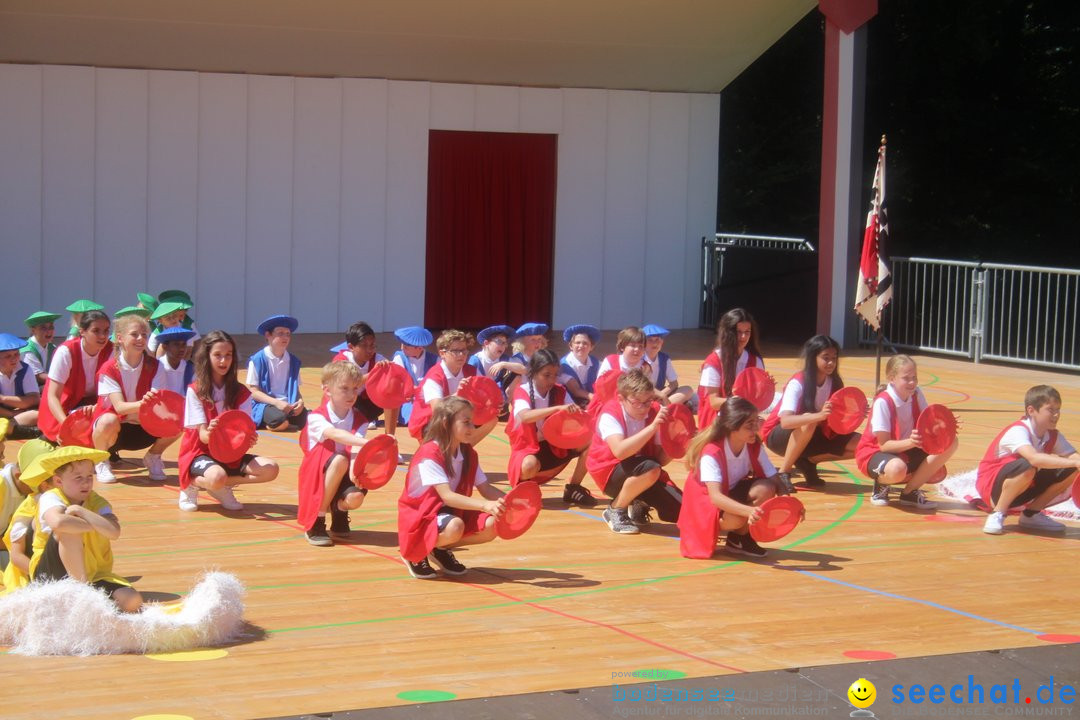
862 693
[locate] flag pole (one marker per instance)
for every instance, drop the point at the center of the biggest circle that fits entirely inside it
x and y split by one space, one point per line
880 332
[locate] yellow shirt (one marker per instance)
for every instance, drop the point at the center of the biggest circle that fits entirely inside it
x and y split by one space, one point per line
97 551
15 578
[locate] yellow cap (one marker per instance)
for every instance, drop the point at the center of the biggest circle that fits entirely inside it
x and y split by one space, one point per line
45 466
30 450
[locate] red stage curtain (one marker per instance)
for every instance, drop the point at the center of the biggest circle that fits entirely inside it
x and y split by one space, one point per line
490 228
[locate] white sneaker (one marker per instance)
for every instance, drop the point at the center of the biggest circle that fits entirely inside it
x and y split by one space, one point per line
189 498
104 472
1043 523
155 467
226 498
995 523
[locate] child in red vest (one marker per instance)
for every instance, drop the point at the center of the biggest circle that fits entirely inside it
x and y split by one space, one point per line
72 382
124 383
736 350
730 477
214 391
333 430
626 460
890 450
442 381
630 355
436 510
1028 465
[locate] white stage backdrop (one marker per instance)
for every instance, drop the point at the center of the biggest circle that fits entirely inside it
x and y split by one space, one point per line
263 195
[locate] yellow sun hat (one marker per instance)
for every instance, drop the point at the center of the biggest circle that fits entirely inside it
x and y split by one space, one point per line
45 465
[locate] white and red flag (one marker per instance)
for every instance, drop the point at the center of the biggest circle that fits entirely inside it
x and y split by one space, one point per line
875 282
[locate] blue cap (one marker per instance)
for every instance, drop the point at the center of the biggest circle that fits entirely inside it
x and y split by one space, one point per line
591 330
415 336
655 330
11 342
487 333
276 321
531 329
175 334
340 347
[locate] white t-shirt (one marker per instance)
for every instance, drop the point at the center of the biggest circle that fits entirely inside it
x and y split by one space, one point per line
432 473
605 366
60 369
482 362
168 378
129 376
739 466
317 425
194 415
28 386
415 364
881 418
608 425
654 372
433 390
542 401
51 500
1017 437
279 373
31 358
710 376
791 403
581 369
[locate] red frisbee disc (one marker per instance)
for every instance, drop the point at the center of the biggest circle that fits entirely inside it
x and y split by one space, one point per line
376 462
232 436
676 433
779 516
568 430
849 409
163 415
389 385
522 507
485 396
77 429
755 385
937 426
941 474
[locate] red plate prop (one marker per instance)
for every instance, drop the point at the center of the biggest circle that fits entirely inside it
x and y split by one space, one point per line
485 396
376 462
755 385
848 410
389 385
522 507
779 516
232 436
568 430
77 429
937 426
163 415
676 433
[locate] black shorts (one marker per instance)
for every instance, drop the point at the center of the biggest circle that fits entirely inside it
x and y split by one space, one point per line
549 460
346 486
132 437
665 497
915 458
272 417
367 407
51 567
1044 478
202 463
818 445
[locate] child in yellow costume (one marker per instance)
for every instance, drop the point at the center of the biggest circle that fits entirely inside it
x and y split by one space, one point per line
18 537
76 525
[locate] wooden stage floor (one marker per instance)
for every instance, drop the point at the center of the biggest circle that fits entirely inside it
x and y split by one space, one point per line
570 604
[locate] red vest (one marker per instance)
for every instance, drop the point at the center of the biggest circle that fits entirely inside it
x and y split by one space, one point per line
418 530
191 446
311 478
706 413
991 464
774 417
74 390
600 460
699 519
142 385
421 412
868 444
524 440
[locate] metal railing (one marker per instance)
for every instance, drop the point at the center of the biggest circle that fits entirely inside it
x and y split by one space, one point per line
984 311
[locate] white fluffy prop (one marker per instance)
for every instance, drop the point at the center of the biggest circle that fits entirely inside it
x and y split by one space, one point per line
72 618
962 487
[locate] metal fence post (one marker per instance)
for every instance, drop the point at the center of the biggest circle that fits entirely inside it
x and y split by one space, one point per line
978 312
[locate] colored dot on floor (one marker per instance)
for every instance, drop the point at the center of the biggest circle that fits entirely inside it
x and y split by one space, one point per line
163 717
1058 638
424 696
869 655
659 674
189 655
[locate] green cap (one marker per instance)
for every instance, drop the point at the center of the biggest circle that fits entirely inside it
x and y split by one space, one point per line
176 296
81 306
40 318
167 308
147 300
131 310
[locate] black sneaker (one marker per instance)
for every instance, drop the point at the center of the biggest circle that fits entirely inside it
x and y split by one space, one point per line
784 484
744 545
639 513
339 522
445 559
575 494
809 473
421 570
317 534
